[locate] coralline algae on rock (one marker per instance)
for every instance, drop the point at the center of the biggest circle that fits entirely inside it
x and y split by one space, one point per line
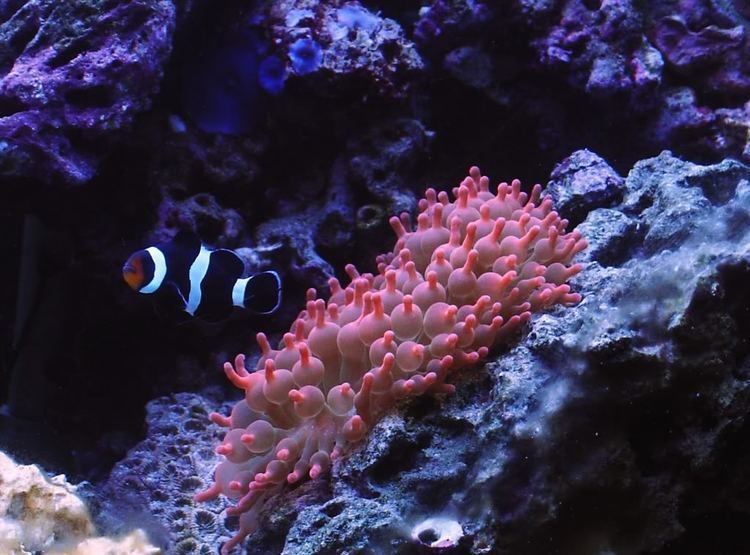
72 73
343 44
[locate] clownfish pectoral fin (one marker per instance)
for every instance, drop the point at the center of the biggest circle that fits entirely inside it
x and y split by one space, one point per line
170 304
214 314
173 295
263 292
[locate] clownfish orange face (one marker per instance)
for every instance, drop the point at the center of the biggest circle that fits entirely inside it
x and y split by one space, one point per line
133 271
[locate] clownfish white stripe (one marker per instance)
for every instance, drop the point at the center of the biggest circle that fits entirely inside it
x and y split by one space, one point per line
238 292
160 270
198 270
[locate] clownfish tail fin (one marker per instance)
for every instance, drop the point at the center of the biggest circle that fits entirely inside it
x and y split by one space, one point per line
260 293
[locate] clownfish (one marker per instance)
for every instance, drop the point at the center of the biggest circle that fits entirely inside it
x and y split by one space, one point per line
203 282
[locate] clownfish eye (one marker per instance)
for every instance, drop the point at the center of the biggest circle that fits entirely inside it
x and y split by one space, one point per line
132 272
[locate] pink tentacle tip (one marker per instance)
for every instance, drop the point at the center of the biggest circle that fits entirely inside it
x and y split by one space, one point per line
357 422
220 419
448 388
262 340
253 486
270 369
232 511
408 387
207 494
248 439
224 449
235 485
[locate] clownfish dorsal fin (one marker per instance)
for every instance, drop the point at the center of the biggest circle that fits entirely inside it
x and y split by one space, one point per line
187 240
227 264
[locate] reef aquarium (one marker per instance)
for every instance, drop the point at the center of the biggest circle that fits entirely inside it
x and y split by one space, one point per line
374 277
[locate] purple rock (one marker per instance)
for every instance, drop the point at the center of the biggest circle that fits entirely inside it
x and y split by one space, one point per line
687 50
201 214
680 117
471 66
602 49
709 42
733 126
340 47
441 18
71 74
583 182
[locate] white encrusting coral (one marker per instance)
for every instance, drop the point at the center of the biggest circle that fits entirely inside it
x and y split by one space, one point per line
41 515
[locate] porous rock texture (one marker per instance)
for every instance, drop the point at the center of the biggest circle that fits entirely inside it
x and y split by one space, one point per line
582 182
380 162
154 485
342 46
316 223
670 74
614 425
345 211
190 170
71 74
38 514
